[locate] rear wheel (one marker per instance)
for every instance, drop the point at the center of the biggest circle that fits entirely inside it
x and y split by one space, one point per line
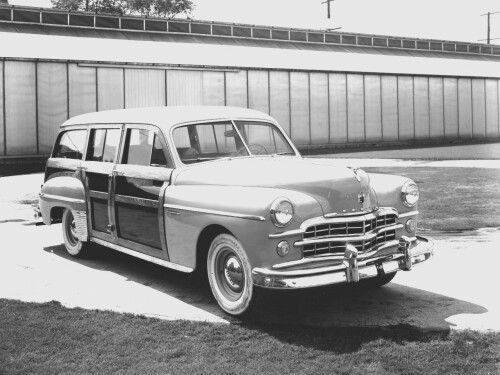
229 274
74 246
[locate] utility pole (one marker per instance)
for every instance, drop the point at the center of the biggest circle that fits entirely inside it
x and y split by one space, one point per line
328 6
488 32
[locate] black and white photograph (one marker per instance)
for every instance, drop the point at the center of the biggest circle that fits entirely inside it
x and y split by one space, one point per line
249 187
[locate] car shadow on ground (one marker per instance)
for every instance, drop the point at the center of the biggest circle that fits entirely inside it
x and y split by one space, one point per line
394 308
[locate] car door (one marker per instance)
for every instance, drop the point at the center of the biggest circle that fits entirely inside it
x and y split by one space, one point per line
139 181
101 155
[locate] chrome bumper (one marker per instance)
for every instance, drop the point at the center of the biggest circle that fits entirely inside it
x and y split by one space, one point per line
410 252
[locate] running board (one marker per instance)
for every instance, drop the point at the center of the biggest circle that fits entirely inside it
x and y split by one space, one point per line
142 256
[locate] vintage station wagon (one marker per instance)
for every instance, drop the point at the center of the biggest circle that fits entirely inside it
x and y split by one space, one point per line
223 190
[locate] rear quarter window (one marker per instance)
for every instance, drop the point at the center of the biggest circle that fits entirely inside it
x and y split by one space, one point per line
70 145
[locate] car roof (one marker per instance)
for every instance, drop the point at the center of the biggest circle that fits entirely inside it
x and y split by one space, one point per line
166 117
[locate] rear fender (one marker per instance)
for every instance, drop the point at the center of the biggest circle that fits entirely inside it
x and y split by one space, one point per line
65 191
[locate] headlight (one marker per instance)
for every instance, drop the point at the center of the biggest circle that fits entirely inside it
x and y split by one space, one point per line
281 212
409 194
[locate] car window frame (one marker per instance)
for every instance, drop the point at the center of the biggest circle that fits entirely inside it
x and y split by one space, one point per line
106 126
232 120
158 132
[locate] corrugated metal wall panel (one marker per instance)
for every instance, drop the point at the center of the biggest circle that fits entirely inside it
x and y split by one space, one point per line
355 108
20 107
258 90
280 98
478 109
492 108
421 107
450 87
144 88
52 103
299 94
338 108
110 89
389 108
184 87
319 108
373 108
405 108
464 108
236 89
436 107
213 88
82 90
2 135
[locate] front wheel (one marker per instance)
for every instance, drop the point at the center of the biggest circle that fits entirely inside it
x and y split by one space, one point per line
230 274
74 246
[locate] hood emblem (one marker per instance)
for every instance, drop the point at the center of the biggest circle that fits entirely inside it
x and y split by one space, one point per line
361 198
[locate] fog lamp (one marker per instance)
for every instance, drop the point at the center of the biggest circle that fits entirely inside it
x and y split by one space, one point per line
410 225
283 248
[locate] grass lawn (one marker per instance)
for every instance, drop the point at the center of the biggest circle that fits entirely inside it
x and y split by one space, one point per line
454 199
48 338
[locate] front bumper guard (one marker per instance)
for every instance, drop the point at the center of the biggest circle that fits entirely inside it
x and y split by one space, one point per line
410 252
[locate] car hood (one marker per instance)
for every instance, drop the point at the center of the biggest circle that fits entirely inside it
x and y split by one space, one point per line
336 189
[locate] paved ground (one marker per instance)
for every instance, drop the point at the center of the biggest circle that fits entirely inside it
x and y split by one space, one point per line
456 290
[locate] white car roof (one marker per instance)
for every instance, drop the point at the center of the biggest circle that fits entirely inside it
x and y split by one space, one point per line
166 117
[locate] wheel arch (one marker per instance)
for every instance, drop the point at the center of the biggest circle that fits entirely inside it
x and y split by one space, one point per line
205 239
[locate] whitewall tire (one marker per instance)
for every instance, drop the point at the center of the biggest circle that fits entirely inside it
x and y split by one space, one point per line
230 274
74 246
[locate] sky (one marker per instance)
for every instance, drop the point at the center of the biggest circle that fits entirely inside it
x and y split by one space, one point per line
457 20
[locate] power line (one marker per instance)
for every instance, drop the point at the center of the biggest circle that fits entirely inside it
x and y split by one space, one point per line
488 32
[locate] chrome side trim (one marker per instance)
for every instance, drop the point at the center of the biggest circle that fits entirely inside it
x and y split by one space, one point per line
215 212
406 214
289 233
142 256
367 236
61 198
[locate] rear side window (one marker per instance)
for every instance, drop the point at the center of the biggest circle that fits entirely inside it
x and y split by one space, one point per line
71 145
103 145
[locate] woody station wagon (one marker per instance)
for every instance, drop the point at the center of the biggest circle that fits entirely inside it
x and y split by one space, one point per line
223 190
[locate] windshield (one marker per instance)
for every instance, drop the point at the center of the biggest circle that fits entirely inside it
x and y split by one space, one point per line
201 142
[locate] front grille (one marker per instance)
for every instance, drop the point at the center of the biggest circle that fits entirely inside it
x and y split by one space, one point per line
338 247
358 227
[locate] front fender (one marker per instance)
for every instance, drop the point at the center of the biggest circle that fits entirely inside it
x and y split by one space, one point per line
244 211
388 190
65 191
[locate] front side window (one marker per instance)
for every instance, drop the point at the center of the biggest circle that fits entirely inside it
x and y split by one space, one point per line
103 145
202 142
71 145
143 147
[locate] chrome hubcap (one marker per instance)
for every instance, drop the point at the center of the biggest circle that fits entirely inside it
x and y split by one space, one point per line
233 273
